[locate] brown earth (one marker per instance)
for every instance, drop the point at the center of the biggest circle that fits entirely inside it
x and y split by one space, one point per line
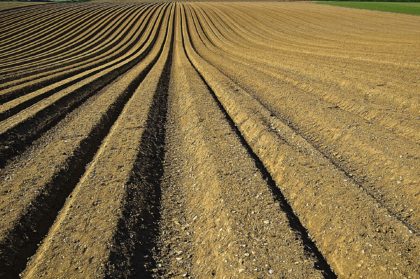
199 140
6 5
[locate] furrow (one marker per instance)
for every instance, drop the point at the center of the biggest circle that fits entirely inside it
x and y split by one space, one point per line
140 211
134 27
349 151
46 14
28 37
64 42
96 39
120 50
117 50
314 189
208 140
10 7
73 34
207 196
372 87
375 113
62 166
58 18
17 134
57 36
110 192
23 23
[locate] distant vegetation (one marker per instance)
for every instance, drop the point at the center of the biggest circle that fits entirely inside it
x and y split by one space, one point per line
405 7
372 1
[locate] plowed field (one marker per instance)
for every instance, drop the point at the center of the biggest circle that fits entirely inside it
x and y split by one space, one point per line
12 5
200 140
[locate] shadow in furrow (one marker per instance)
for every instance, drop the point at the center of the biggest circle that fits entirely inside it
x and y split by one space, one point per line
294 222
138 228
17 139
69 50
4 98
43 44
5 11
339 165
22 241
51 51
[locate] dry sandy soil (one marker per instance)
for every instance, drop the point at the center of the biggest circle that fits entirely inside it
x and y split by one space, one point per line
12 5
199 140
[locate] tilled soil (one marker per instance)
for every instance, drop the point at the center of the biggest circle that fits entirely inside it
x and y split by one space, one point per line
199 140
8 5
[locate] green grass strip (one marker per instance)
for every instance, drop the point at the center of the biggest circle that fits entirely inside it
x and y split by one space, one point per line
412 8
